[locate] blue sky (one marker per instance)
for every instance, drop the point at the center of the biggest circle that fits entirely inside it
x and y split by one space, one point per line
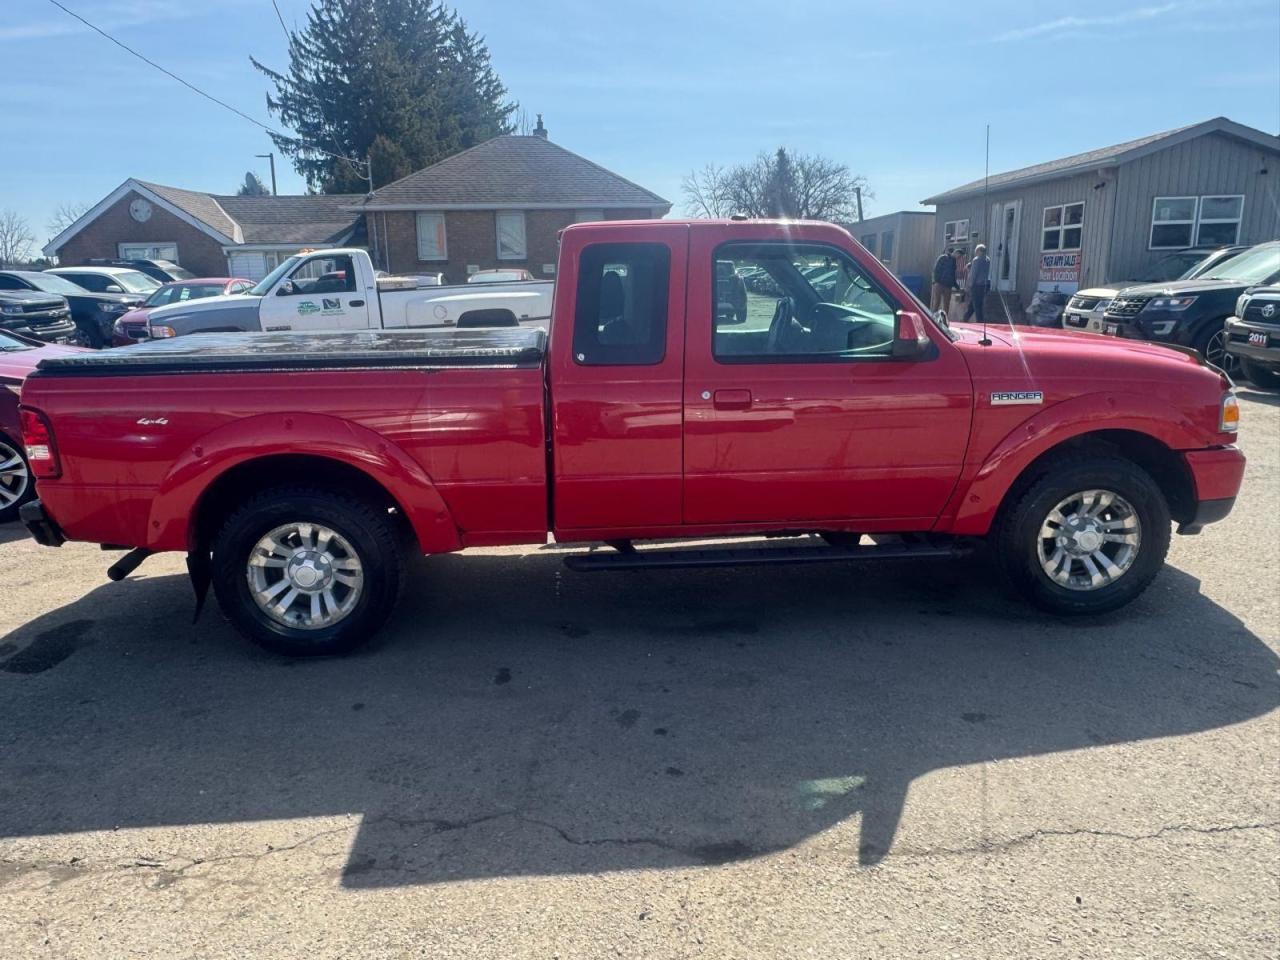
899 92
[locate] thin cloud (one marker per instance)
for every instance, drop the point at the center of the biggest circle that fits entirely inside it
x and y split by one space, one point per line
110 16
1062 24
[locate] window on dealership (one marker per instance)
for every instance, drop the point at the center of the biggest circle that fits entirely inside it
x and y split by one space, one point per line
1208 221
1063 227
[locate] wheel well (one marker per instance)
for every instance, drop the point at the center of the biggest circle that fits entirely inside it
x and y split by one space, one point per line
253 476
1166 466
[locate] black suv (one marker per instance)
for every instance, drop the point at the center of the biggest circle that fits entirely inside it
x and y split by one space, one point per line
94 313
41 315
1253 336
1191 313
166 271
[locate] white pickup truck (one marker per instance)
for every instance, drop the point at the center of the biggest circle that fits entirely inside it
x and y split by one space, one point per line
338 290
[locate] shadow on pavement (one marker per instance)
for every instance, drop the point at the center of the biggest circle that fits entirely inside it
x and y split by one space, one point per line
519 719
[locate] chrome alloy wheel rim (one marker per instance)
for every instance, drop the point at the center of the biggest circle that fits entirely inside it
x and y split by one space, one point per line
1089 540
305 575
14 476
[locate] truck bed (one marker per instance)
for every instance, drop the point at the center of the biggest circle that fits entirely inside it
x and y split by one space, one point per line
341 349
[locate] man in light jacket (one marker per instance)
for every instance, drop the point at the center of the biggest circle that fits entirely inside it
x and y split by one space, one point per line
977 283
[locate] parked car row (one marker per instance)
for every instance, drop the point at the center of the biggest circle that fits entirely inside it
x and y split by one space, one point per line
1203 309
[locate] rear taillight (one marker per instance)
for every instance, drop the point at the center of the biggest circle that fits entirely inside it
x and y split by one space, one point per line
42 452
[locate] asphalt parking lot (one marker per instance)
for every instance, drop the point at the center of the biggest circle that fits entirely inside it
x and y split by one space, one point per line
827 761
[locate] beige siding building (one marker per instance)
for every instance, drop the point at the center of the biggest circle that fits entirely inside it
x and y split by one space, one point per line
1108 214
903 241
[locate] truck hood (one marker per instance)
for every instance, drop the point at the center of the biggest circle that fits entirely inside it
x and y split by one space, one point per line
203 305
27 297
1171 288
1107 292
16 364
1070 353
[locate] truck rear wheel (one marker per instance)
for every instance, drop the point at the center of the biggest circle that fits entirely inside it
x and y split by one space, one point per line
307 572
1084 537
16 487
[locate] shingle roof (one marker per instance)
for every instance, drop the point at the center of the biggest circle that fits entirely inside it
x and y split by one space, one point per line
512 169
1105 156
203 206
294 219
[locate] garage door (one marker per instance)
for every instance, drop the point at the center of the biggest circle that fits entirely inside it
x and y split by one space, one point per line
250 265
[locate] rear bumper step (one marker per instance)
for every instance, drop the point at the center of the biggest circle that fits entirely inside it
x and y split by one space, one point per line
678 558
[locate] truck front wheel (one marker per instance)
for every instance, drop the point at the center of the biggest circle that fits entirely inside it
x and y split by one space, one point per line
1084 537
307 572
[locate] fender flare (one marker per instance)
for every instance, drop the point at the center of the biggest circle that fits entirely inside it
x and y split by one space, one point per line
170 522
978 496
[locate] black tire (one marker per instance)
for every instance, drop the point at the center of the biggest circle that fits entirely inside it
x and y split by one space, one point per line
1268 378
1203 342
1016 535
17 483
368 530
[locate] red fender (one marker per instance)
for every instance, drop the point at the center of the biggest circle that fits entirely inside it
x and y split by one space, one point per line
981 490
176 501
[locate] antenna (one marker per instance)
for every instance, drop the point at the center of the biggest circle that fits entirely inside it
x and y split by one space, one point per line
986 213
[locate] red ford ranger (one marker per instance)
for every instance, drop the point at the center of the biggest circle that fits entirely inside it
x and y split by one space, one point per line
707 379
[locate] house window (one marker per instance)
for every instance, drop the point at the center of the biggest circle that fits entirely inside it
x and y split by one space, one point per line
1063 227
511 240
869 241
149 251
886 246
1219 223
431 237
588 216
955 231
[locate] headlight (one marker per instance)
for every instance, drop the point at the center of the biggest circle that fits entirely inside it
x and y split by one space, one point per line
1170 303
1229 420
114 307
160 332
1102 305
1240 302
11 309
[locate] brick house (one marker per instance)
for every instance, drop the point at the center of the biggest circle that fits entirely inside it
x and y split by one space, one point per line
499 204
208 234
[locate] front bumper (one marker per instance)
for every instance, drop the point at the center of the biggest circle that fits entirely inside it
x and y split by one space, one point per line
1145 326
1216 475
40 525
1088 320
1239 335
57 330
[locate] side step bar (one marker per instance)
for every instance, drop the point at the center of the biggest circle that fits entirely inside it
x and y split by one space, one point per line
681 558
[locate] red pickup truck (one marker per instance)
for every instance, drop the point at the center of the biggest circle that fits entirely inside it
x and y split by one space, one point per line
707 379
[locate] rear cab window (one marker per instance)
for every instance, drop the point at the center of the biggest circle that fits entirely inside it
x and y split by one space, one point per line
620 318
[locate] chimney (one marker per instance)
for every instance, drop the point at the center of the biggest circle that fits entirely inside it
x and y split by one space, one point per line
540 130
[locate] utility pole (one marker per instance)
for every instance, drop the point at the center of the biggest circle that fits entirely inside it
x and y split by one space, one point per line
271 157
857 192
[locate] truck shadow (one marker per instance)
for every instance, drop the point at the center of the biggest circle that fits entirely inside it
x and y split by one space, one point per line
517 719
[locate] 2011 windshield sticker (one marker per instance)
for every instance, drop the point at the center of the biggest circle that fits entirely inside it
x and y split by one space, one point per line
1005 398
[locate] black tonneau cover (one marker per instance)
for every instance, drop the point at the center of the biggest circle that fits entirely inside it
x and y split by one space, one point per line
339 349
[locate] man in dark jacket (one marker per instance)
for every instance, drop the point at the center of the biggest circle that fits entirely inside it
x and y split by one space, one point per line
944 280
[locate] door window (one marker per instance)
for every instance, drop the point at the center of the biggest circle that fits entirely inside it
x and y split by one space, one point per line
788 302
324 275
620 317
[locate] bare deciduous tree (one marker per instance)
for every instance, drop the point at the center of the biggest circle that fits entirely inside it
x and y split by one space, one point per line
65 215
15 239
800 186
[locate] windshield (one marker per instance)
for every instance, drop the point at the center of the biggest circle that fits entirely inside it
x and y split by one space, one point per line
1253 266
134 281
1173 267
266 283
180 293
52 283
8 344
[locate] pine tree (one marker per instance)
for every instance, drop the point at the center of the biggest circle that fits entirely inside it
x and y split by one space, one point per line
252 187
401 82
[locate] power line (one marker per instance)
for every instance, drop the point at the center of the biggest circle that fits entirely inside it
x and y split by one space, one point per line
288 36
208 96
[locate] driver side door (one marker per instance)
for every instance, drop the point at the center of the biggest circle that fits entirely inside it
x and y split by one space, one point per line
795 409
320 293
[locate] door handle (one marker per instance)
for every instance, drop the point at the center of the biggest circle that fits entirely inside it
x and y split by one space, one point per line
357 303
731 399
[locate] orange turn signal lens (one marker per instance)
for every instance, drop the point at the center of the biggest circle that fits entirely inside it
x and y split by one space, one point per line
1230 420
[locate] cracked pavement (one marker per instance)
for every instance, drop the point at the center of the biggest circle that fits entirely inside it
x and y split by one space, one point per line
799 762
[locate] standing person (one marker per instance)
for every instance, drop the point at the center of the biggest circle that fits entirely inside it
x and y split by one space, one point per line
944 281
977 283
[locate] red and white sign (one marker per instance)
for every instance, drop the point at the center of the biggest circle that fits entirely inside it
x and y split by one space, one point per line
1059 271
